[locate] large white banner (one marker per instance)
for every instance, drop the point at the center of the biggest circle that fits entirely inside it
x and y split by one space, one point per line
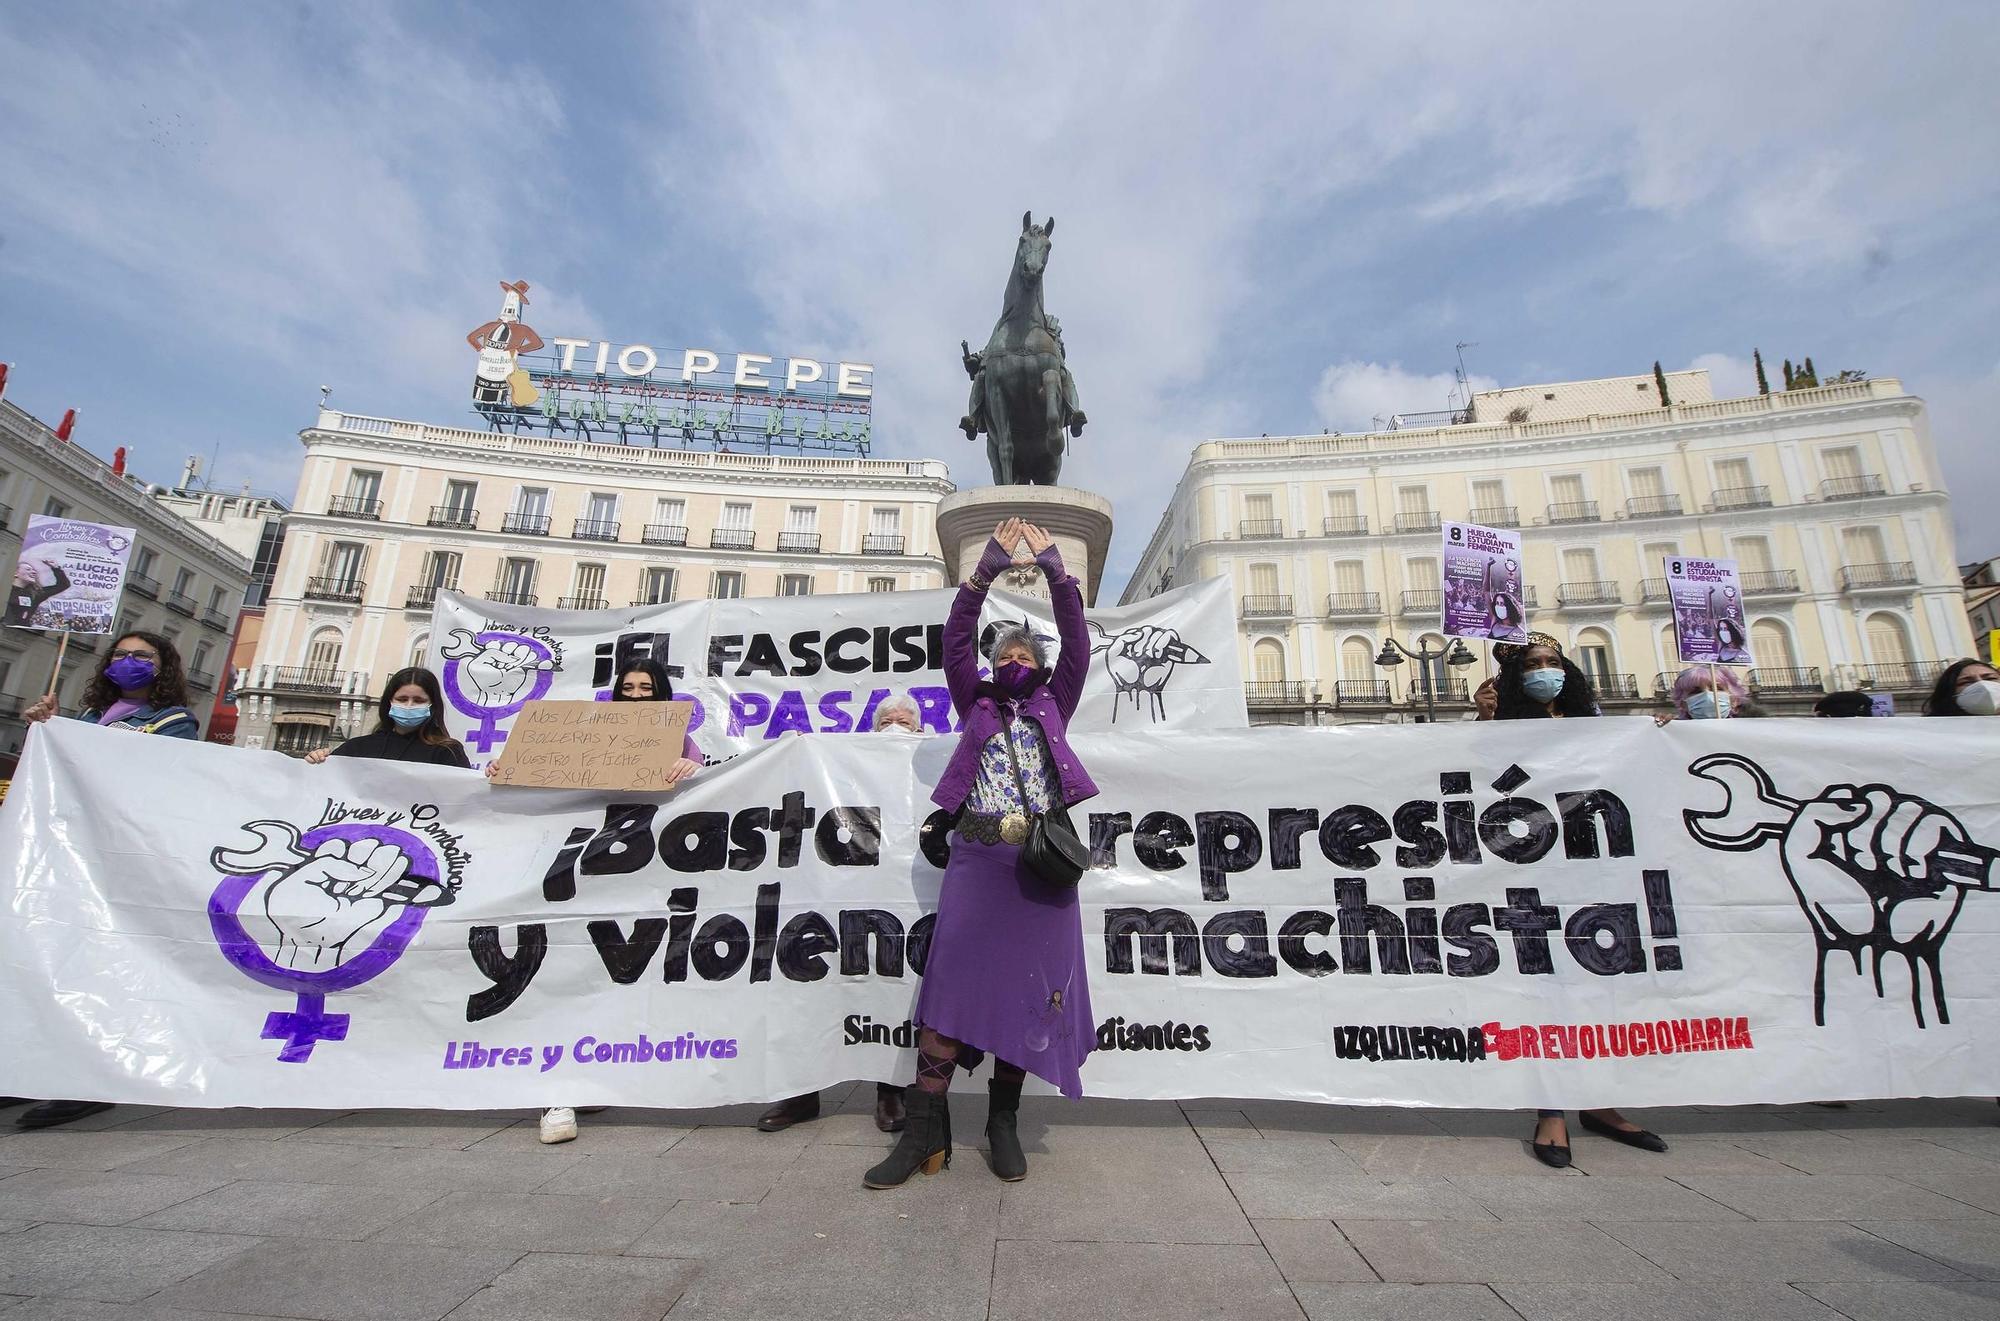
1570 913
758 669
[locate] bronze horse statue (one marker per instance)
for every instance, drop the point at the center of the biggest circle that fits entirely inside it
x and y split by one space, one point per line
1023 396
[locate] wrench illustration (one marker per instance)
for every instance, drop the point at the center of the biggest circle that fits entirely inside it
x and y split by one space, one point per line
278 847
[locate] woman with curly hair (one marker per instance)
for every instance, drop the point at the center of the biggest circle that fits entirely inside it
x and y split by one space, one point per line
1968 687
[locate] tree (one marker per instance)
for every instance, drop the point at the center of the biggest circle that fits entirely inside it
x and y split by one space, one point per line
1811 376
1660 379
1788 374
1763 385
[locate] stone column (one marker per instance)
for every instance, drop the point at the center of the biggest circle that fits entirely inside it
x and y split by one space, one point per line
1080 522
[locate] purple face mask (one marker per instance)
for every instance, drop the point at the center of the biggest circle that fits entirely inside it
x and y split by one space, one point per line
129 672
1014 678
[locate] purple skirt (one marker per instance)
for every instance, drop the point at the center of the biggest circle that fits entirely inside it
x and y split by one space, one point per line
1006 972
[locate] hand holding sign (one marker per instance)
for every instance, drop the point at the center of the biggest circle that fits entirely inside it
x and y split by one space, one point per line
598 745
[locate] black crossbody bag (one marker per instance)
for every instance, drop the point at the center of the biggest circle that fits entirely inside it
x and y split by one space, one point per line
1052 851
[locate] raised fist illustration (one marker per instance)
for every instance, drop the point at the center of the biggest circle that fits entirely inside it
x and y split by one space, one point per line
1869 861
333 903
1140 661
497 670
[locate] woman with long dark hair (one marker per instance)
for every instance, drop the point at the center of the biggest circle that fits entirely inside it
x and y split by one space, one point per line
1968 687
1537 681
409 726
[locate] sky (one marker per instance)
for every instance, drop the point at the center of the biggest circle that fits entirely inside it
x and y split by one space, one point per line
1272 218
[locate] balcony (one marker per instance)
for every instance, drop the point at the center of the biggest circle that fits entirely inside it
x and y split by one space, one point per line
1442 690
1261 529
798 543
1654 591
1852 488
1422 603
1771 582
1653 506
180 603
10 705
309 679
1805 679
526 525
1344 526
203 679
1361 692
732 538
594 529
504 597
882 543
1267 607
1663 682
1598 595
664 534
354 506
1423 520
1616 687
1576 511
143 584
1741 497
1878 577
216 620
6 517
347 591
453 516
425 596
662 599
582 603
1289 692
1899 675
1354 605
1496 516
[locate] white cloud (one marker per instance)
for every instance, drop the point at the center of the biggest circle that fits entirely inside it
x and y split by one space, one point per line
1963 413
1351 396
1729 377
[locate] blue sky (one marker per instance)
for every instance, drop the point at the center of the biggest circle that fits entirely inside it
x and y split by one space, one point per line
1271 218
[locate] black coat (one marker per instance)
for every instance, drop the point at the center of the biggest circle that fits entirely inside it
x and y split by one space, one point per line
387 745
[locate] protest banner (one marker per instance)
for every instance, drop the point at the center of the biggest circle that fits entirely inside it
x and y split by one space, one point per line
757 669
69 576
1566 913
594 745
1708 611
1482 583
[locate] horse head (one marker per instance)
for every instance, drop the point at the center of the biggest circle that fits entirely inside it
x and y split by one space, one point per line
1033 250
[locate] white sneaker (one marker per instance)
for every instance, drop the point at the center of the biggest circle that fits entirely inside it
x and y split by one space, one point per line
559 1124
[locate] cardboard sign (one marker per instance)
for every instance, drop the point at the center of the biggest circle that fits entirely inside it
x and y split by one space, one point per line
1708 611
69 576
595 745
1482 583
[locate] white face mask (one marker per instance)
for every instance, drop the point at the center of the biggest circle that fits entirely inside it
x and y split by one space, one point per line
1705 705
1980 698
904 730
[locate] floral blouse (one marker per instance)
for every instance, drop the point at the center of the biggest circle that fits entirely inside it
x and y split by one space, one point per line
996 793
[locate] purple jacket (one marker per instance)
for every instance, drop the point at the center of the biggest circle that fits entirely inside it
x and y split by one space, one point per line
1050 704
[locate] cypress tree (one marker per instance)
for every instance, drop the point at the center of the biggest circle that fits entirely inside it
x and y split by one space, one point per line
1660 379
1788 373
1763 385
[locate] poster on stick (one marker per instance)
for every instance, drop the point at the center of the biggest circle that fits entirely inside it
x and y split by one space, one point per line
595 745
1482 583
69 575
1708 611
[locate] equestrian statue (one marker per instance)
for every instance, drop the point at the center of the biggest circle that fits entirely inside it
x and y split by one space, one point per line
1022 393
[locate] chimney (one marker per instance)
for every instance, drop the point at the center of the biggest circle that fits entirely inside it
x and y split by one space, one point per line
188 471
118 460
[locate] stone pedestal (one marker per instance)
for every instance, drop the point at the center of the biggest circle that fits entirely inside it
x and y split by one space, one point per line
1080 522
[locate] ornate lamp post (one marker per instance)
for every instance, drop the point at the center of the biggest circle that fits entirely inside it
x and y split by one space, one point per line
1456 656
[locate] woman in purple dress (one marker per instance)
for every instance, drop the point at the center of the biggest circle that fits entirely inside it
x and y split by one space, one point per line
1005 974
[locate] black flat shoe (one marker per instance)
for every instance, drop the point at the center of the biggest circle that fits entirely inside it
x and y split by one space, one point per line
1555 1155
1631 1137
51 1113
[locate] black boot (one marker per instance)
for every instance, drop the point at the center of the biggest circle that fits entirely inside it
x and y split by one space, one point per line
924 1145
1004 1107
889 1109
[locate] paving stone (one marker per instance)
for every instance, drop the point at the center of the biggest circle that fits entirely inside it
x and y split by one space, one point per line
338 1281
1305 1195
851 1129
78 1309
581 1288
1980 1190
615 1133
1984 1144
1291 1118
1495 1253
408 1128
1216 1123
1402 1302
67 1149
694 1229
108 1264
675 1176
241 1123
1694 1123
1148 1193
293 1210
1824 1197
1109 1281
1663 1302
1240 1155
1955 1300
1312 1250
447 1170
1594 1155
118 1116
527 1222
92 1197
1970 1247
1775 1250
1606 1197
1439 1157
262 1159
1833 1153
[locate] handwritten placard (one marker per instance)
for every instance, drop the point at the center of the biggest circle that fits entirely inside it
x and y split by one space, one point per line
594 745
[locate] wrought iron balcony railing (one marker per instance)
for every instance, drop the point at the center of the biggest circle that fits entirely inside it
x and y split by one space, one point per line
594 529
354 506
1266 607
456 516
1575 511
665 534
1852 488
348 591
1354 605
526 525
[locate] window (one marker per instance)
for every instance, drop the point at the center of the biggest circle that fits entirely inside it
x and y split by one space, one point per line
441 569
323 652
589 585
881 584
1653 558
1488 495
795 584
1842 461
1357 661
670 511
1350 578
735 517
1270 661
1263 580
341 563
602 508
6 673
1888 640
201 654
532 502
659 586
802 519
146 559
1422 573
1771 646
1438 676
726 584
1580 565
885 522
183 582
1648 483
1257 509
364 487
1343 505
1567 490
215 597
420 647
1593 655
1752 554
517 578
55 508
1862 545
460 498
1413 499
1733 474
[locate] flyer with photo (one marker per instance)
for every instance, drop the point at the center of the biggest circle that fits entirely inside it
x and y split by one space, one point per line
1708 611
1482 583
69 576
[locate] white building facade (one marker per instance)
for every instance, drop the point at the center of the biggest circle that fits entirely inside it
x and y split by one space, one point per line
1830 499
389 512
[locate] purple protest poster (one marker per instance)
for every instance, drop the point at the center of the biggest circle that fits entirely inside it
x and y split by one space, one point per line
1482 583
69 576
1708 611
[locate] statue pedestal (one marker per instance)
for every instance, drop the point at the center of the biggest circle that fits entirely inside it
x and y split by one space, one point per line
1080 521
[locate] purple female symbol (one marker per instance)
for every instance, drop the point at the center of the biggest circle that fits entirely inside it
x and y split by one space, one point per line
486 656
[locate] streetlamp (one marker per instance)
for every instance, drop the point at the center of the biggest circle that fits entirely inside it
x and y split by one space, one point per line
1455 656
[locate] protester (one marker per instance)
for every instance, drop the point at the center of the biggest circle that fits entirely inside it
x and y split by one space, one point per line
140 686
1539 681
898 715
1968 687
1708 692
409 726
1844 704
34 584
1006 972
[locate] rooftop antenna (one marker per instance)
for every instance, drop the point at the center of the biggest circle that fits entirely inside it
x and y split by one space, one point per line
1464 384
